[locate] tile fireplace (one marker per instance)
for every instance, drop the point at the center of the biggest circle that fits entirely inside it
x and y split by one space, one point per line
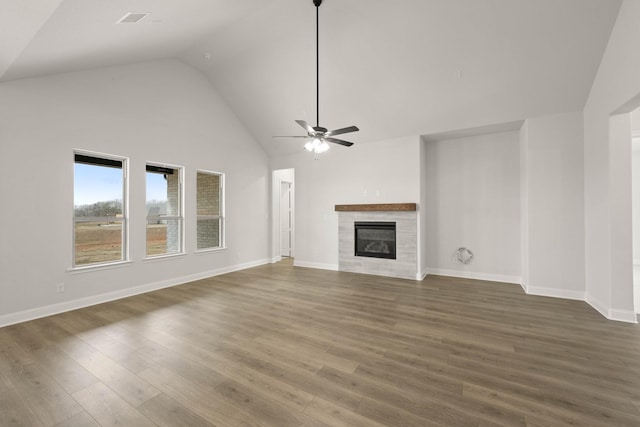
378 239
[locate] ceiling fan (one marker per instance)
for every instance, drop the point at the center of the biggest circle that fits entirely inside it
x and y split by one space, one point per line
320 136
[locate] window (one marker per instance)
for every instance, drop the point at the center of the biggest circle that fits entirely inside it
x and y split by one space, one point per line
209 195
99 220
164 210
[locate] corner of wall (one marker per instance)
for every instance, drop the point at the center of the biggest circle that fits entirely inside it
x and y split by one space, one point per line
422 217
615 89
524 204
611 314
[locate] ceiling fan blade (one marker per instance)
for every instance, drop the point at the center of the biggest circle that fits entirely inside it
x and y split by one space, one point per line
290 136
306 126
339 141
341 131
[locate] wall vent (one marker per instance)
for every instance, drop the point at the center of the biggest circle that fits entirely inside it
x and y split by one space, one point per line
131 18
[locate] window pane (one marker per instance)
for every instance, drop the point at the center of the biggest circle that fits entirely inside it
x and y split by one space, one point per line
98 242
208 233
156 238
98 191
163 237
208 191
163 211
209 230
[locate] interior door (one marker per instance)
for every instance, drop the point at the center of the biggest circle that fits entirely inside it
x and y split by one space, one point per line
285 219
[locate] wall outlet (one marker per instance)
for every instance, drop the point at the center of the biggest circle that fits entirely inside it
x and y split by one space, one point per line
60 287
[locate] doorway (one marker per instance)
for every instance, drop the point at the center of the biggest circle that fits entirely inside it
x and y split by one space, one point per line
286 218
283 214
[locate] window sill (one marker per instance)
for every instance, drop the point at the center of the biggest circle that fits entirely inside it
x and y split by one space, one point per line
163 257
97 267
210 250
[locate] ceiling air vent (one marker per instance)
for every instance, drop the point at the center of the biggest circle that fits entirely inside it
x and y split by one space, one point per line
131 18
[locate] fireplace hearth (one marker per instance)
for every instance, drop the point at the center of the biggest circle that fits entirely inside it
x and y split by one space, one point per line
375 239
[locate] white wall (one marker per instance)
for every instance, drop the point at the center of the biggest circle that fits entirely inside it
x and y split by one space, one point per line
608 248
473 201
372 172
160 111
552 205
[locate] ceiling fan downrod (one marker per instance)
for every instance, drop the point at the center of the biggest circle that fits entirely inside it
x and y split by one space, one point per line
319 136
317 3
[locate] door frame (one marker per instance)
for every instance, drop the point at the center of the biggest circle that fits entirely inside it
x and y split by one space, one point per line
290 213
278 176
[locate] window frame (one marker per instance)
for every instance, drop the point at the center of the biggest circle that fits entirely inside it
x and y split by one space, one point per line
125 210
180 217
221 216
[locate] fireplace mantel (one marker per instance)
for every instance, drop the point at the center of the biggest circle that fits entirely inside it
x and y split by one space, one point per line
377 207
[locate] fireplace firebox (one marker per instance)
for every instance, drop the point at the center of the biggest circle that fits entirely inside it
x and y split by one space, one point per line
375 239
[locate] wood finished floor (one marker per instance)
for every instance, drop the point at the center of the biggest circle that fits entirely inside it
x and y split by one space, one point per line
283 346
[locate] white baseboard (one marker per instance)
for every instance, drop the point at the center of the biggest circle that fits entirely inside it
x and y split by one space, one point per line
524 287
598 305
49 310
477 276
421 275
318 265
276 259
23 316
555 293
628 316
336 267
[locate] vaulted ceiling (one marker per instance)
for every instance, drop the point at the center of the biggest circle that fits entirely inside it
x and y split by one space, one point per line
407 67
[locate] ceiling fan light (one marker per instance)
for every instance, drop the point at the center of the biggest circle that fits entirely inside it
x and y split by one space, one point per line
316 145
322 146
308 146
